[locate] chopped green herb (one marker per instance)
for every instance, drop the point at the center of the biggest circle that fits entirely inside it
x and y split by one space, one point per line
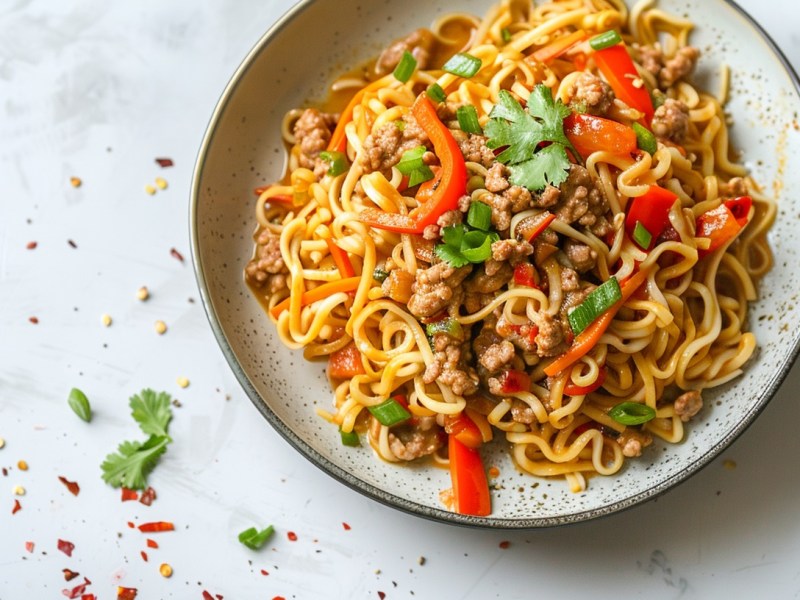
641 236
389 412
411 160
463 65
133 462
420 175
449 326
152 411
379 275
632 413
349 438
255 539
599 301
480 216
337 161
462 246
605 40
436 93
645 139
658 97
467 116
79 404
476 247
405 68
506 34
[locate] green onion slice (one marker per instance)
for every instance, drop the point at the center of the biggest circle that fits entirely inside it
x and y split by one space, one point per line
658 97
605 40
506 34
336 160
390 412
420 175
645 139
463 65
411 160
350 438
476 247
480 216
380 275
642 236
79 404
632 413
467 116
405 68
596 303
436 93
449 326
255 539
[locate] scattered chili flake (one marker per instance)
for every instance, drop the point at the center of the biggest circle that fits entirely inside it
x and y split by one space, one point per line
264 572
144 555
152 543
88 597
124 593
29 546
75 182
72 486
131 525
207 596
175 254
164 162
161 183
34 320
346 526
494 472
31 245
69 575
17 507
22 465
278 598
381 595
148 496
292 536
161 327
505 544
78 590
165 569
128 494
157 526
72 244
66 547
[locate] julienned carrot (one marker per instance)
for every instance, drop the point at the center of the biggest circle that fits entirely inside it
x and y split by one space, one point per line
558 47
338 140
341 259
318 293
589 337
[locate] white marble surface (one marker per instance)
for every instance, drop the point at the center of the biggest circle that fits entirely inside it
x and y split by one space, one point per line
99 90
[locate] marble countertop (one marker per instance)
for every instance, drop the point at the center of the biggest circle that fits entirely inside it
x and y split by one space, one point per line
97 91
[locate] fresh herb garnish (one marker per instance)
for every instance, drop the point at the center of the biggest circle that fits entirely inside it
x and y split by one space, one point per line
463 65
412 165
79 404
349 438
389 412
337 161
521 133
255 539
632 413
642 236
436 93
463 246
645 139
467 116
152 411
405 68
506 34
605 40
596 303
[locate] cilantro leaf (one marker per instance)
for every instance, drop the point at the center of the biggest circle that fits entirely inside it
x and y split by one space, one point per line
133 461
451 255
511 127
548 166
152 411
551 113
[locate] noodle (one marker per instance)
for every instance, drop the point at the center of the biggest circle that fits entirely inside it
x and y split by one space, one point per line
478 341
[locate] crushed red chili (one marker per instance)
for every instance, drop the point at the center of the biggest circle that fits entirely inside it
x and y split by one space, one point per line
128 494
29 546
175 254
34 320
264 572
31 245
69 575
346 526
164 162
152 543
505 544
131 525
144 555
207 596
124 593
381 595
72 486
292 536
78 590
148 496
17 507
66 547
156 526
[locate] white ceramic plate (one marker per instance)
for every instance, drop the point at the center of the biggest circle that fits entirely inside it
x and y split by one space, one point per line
242 149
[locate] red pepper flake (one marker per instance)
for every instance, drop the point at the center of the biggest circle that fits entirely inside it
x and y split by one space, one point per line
31 245
124 593
78 590
29 546
207 596
278 598
128 494
148 496
72 244
152 543
73 487
131 525
164 162
175 254
34 320
292 536
66 547
17 507
505 544
144 555
346 526
264 572
88 597
157 526
381 595
69 575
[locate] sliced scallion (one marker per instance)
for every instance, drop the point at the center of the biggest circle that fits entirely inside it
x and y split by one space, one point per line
476 247
645 139
436 93
449 326
255 539
506 34
420 175
480 216
463 65
599 301
641 236
411 160
336 160
605 40
350 438
405 68
467 116
632 413
389 412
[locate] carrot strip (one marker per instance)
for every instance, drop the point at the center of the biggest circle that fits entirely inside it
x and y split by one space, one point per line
558 47
318 293
589 337
341 259
338 141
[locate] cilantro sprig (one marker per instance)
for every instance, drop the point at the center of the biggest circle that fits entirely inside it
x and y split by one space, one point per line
133 461
533 141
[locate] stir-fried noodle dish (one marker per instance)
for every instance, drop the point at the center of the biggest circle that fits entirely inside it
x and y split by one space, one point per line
526 226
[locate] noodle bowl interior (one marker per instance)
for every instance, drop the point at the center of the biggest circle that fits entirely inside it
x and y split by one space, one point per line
526 227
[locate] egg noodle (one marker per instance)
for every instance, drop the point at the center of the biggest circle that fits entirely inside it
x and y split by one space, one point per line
680 324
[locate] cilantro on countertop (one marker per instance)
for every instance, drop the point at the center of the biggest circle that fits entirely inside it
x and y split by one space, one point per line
521 134
152 411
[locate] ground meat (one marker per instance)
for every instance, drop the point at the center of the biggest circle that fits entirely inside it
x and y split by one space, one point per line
416 438
268 260
569 280
474 301
671 120
312 132
474 148
579 200
548 197
497 178
513 251
435 288
591 92
581 256
449 368
734 188
497 356
688 405
633 441
679 66
550 340
650 57
522 336
484 283
513 200
522 413
384 147
419 43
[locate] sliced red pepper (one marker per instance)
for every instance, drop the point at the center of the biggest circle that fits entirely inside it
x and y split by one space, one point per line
442 195
525 275
740 207
589 133
532 227
464 430
470 487
651 210
616 65
128 494
125 593
345 363
559 46
513 381
341 259
65 547
581 390
719 225
156 526
72 486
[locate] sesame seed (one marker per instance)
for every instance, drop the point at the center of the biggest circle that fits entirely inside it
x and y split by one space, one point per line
2 442
106 319
22 465
183 382
161 183
143 293
165 570
161 327
19 490
150 189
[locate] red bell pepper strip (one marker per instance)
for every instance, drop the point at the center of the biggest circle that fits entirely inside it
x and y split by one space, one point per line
470 487
450 185
513 381
720 225
589 133
525 275
616 65
581 390
338 141
532 227
651 210
341 259
740 207
345 363
589 337
464 430
559 46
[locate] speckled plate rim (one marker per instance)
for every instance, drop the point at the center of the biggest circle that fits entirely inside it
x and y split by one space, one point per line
384 497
